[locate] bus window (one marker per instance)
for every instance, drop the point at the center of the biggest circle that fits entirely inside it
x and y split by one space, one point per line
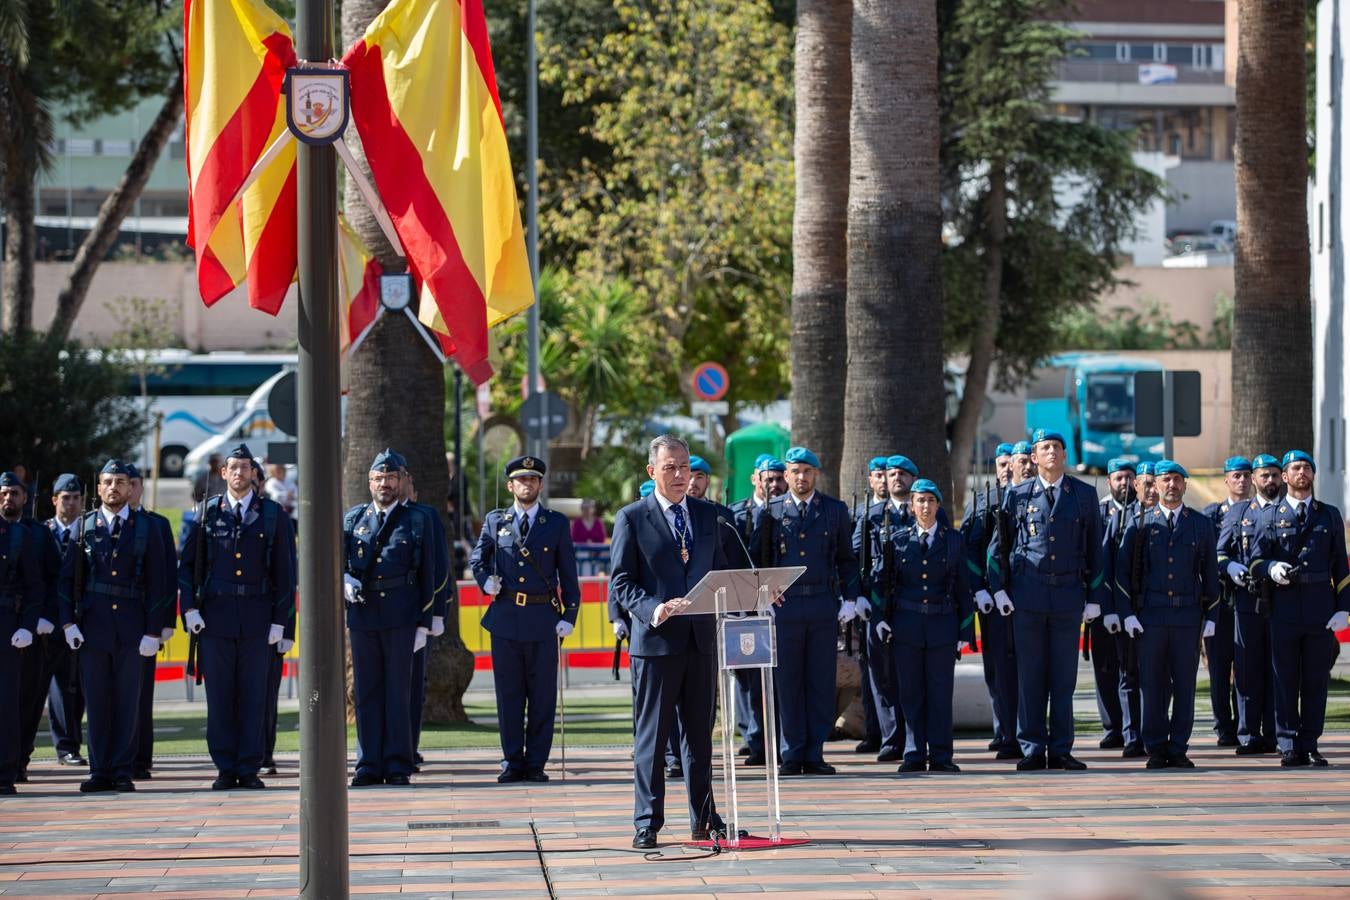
1110 402
1049 383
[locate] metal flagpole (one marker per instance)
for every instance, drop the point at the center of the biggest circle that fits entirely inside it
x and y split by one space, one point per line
323 715
536 442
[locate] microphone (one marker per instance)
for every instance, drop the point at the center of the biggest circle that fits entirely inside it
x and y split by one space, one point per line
722 520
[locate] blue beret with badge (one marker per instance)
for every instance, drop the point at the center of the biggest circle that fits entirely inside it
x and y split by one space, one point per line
242 452
525 466
645 489
699 464
1021 448
802 456
924 486
1144 468
772 464
1237 464
133 471
387 460
115 467
9 479
1264 461
67 483
902 462
1119 464
1170 467
877 464
1004 449
762 459
1045 434
1294 456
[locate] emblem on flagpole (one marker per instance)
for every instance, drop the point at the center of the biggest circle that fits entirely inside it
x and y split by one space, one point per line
316 104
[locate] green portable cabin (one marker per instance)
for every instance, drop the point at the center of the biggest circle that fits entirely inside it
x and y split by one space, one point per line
743 445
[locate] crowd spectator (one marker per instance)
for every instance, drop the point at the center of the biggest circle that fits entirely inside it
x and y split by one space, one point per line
589 528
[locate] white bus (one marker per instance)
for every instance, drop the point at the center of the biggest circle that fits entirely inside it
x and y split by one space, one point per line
199 395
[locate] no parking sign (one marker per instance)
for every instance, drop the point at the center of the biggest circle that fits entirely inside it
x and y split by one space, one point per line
710 381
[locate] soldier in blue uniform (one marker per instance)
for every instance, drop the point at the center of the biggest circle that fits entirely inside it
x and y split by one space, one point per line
876 496
65 702
883 520
1056 577
1219 649
145 717
807 528
525 562
1168 585
997 657
1116 706
931 619
440 606
1300 546
110 616
389 586
239 613
1023 462
1253 667
23 605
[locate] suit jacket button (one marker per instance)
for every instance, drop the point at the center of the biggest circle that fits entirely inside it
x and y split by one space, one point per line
545 549
1052 538
1052 557
522 580
114 573
114 606
802 553
381 593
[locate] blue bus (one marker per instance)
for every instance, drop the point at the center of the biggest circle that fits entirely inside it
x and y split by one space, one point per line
1089 398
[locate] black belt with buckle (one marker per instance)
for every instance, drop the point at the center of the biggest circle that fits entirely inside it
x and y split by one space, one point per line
523 599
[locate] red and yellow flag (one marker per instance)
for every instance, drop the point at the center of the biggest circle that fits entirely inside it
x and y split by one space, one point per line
236 53
424 99
358 285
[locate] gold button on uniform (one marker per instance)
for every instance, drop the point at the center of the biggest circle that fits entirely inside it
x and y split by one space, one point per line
1052 557
239 556
925 576
522 579
238 573
1052 538
114 573
114 606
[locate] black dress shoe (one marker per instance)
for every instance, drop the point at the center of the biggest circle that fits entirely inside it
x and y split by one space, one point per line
943 767
124 785
1010 752
366 779
675 771
7 788
1318 760
817 768
789 768
1180 761
1133 750
97 785
224 782
1251 748
910 765
754 758
22 777
1111 742
890 754
538 776
1227 740
511 776
71 759
1294 760
1031 763
995 744
1066 762
744 751
417 758
142 775
398 779
270 770
251 783
867 747
1156 761
706 832
645 839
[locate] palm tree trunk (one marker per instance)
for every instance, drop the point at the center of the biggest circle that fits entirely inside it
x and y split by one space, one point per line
822 89
20 246
397 399
1272 312
982 342
894 397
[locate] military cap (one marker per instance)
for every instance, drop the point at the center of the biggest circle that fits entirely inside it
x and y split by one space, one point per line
133 470
645 489
1294 456
772 464
1004 449
67 482
1170 467
524 466
1144 468
1264 461
1119 464
387 460
9 479
803 456
1237 464
241 452
924 486
902 462
762 459
1021 448
1045 434
877 464
115 467
699 464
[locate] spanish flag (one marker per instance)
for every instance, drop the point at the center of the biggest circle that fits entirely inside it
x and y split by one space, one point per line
236 53
358 285
424 99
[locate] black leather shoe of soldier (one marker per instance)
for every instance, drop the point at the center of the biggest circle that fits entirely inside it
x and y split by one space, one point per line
909 766
366 779
890 754
398 779
948 767
1294 760
1111 742
675 771
1156 761
1031 763
1318 760
224 781
97 785
1251 748
536 775
511 776
867 747
754 758
789 768
1133 750
715 827
1227 740
817 768
125 785
251 783
645 839
1012 751
7 789
1180 761
1066 762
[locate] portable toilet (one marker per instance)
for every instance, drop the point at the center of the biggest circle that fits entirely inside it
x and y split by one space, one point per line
743 445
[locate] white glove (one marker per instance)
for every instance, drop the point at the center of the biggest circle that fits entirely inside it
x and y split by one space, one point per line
620 629
1237 572
563 628
1004 602
437 626
194 621
351 589
848 611
1340 621
1132 626
164 635
1092 611
74 637
45 627
984 601
1209 630
1279 572
863 608
275 633
492 586
284 646
1112 623
420 639
22 638
149 645
884 630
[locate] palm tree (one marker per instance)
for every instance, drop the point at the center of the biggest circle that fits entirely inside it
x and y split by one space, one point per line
822 86
1272 313
397 399
894 401
23 152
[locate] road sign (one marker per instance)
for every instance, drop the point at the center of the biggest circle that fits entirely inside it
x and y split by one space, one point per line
281 405
709 408
710 381
532 415
1167 403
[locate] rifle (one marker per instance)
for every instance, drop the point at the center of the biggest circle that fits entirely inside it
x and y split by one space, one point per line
887 564
198 588
867 561
1264 589
1137 560
76 599
618 657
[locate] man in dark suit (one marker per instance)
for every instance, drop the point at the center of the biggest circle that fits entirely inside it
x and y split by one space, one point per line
662 545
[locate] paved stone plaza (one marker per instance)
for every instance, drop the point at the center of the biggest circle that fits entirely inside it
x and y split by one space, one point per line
1232 828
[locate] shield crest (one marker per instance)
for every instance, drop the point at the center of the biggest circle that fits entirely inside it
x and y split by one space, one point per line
747 643
316 104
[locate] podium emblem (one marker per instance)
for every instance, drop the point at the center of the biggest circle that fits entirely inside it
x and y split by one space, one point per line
316 104
747 643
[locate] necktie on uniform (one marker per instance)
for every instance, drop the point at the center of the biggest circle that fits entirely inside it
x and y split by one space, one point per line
801 509
681 528
1050 497
1302 515
116 527
524 526
923 543
379 521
